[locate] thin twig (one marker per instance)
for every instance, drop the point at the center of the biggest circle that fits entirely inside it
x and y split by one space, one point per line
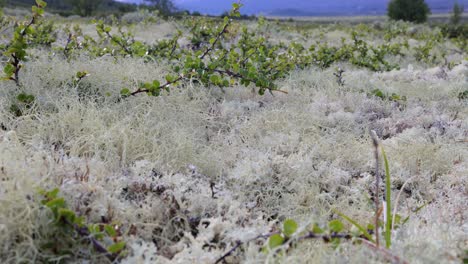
325 238
227 254
220 34
16 63
174 46
66 50
115 40
375 142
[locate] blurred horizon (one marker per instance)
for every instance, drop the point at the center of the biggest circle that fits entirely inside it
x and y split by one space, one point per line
302 7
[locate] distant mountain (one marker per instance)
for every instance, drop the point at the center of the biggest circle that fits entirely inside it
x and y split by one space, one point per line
304 7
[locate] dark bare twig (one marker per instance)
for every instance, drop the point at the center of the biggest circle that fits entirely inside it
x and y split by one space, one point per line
325 238
339 77
213 193
227 254
455 116
66 50
16 63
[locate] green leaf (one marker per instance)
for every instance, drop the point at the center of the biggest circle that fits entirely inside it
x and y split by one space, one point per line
79 221
49 195
335 242
56 202
9 69
125 92
116 247
147 86
37 10
317 230
275 240
335 226
214 79
289 227
397 219
378 93
155 92
67 214
94 229
110 230
81 74
25 98
156 84
17 111
53 194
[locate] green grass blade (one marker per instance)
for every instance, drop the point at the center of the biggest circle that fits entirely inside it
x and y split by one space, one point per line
358 226
388 200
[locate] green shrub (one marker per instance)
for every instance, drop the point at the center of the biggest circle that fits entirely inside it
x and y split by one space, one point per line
408 10
16 48
71 231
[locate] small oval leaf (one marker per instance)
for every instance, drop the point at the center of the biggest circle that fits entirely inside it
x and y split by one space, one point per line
335 226
275 240
116 248
289 227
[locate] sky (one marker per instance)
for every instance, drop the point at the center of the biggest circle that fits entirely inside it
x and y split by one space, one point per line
303 7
